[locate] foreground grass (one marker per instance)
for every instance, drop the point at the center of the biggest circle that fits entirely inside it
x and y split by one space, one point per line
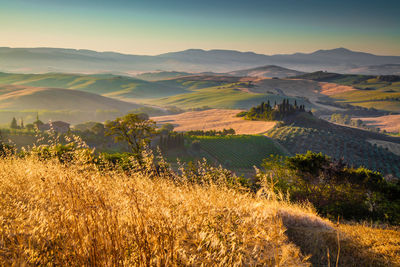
51 214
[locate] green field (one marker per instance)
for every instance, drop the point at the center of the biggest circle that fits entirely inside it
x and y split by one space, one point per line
239 151
230 96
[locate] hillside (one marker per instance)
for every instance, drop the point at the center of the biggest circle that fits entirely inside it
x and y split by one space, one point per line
104 84
267 72
161 75
385 69
239 152
122 217
322 91
17 97
379 92
214 119
232 92
42 60
389 123
73 106
304 132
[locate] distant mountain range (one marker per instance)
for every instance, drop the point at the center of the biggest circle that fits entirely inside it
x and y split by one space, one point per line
39 60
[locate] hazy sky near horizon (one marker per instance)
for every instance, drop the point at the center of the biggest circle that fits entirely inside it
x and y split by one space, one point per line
157 26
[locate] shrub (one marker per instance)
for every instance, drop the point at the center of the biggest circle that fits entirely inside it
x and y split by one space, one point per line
336 189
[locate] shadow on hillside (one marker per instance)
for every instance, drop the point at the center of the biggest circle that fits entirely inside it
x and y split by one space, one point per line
316 241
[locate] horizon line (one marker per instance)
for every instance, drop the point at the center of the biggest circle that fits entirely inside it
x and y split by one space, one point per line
200 49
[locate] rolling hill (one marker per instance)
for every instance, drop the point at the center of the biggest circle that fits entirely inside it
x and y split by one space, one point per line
267 71
379 92
161 75
35 60
17 97
74 106
214 119
104 84
355 146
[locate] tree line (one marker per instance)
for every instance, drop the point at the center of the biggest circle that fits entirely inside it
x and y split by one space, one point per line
265 111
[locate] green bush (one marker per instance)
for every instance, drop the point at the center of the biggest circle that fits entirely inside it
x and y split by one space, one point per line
336 189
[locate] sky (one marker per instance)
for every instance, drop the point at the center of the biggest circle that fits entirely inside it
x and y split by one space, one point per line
150 27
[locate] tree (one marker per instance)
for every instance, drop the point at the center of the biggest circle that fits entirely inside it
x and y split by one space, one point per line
134 129
166 128
98 129
14 124
38 122
30 127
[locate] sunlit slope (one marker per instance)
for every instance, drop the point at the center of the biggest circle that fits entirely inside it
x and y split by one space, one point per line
214 119
267 71
55 214
20 97
379 92
214 98
236 93
161 75
117 86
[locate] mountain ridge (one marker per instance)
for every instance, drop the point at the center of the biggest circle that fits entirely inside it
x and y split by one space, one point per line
42 59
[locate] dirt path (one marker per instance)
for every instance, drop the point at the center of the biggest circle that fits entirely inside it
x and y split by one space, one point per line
214 119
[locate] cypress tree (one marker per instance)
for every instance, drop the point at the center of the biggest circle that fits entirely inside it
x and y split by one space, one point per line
14 124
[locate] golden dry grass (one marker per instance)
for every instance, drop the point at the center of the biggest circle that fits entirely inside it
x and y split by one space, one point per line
215 119
56 215
383 244
358 245
52 214
390 123
334 88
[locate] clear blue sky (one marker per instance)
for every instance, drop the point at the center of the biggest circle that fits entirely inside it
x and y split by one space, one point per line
158 26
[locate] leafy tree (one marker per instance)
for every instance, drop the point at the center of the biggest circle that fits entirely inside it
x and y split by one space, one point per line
336 189
134 129
166 128
98 129
30 127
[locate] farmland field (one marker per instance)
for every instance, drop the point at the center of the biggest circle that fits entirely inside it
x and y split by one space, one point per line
390 123
239 151
214 119
353 149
